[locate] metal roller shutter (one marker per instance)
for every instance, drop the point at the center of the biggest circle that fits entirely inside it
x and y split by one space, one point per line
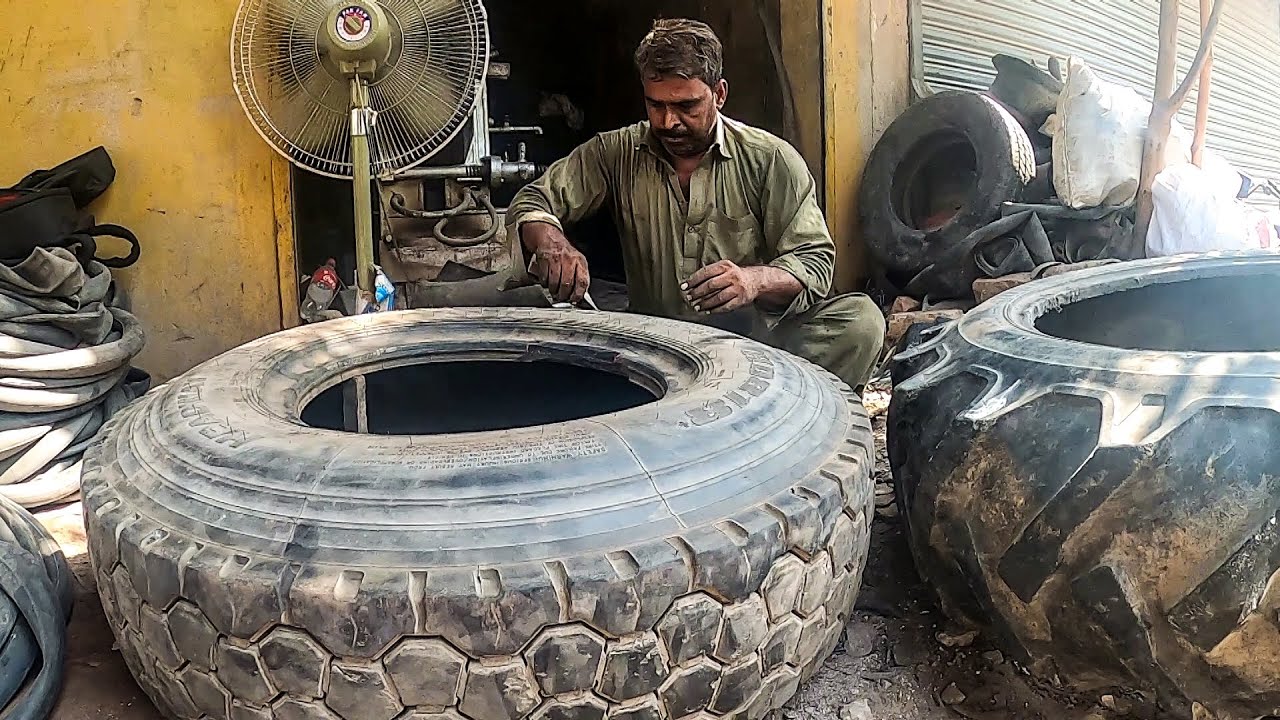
1118 39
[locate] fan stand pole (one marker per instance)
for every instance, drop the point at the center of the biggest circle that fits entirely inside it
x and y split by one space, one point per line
362 119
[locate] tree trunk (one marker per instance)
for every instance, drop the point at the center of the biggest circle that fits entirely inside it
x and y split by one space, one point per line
1202 93
1164 108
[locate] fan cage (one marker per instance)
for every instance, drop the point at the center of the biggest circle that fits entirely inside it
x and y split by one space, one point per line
424 97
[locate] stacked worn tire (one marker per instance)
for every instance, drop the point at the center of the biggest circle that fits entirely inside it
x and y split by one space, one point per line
1108 514
939 261
35 603
700 554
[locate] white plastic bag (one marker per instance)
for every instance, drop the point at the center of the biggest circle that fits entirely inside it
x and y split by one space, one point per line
1097 140
1098 134
1194 213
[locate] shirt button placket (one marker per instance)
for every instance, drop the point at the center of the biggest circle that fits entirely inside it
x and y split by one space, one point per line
697 215
691 250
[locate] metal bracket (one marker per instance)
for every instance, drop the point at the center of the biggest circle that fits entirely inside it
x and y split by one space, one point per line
479 147
355 405
363 121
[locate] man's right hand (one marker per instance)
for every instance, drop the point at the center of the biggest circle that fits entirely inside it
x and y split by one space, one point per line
560 268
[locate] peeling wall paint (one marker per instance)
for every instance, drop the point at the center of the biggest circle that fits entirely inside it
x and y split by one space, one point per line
151 81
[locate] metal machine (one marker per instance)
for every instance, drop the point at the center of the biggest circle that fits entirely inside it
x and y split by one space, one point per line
369 90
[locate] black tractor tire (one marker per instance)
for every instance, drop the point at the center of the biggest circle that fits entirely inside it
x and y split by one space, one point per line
1005 166
697 554
1109 515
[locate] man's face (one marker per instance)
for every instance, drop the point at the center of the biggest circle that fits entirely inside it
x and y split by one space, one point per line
683 113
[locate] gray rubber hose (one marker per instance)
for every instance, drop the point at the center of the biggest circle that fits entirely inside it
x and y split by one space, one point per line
82 362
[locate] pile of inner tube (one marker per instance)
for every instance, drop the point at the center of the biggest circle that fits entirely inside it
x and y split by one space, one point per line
64 370
66 343
35 604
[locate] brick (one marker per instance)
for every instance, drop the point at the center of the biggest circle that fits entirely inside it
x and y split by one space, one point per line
900 323
986 288
904 304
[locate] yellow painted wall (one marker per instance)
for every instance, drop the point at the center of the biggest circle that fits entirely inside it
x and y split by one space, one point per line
861 49
150 80
867 58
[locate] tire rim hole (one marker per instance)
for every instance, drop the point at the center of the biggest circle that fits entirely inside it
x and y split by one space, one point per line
935 181
1213 314
440 398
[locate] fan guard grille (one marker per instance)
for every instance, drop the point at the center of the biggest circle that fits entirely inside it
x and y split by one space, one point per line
424 95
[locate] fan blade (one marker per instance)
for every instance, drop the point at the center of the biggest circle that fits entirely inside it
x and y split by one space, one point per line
424 94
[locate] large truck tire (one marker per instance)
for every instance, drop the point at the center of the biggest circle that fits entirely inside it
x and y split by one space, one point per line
925 145
699 553
1087 468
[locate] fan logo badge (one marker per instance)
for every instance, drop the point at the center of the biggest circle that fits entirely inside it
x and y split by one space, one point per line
354 24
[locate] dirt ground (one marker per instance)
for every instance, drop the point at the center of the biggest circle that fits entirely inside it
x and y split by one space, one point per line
98 685
898 661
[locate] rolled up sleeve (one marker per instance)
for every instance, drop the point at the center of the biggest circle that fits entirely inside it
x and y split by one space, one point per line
572 189
796 232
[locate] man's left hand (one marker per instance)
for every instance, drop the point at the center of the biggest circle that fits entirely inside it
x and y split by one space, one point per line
722 287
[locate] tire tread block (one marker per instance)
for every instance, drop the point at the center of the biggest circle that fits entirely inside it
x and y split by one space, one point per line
1215 608
1036 554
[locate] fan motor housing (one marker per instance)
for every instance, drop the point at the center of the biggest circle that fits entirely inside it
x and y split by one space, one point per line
356 39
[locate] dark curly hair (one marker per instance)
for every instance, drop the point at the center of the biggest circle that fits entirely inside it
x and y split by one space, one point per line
681 48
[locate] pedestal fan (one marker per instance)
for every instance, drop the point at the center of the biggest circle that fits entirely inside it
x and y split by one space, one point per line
357 89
